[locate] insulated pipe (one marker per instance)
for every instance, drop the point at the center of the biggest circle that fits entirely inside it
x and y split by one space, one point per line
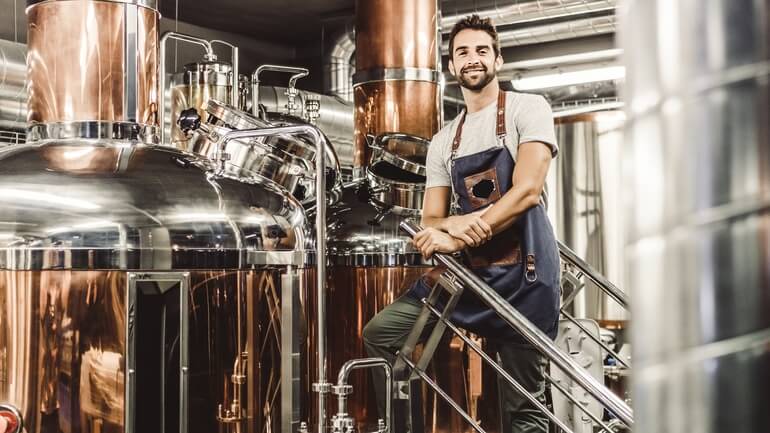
297 74
531 333
527 12
553 32
338 66
13 85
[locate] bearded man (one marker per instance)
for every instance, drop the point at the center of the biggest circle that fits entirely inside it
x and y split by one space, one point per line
484 196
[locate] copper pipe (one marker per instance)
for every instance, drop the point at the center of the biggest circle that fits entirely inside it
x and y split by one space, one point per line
77 60
400 57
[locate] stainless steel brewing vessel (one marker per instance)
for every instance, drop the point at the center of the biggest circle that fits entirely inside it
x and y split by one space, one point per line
588 205
696 168
141 289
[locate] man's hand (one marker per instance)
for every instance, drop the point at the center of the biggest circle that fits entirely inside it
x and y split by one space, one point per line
431 240
470 228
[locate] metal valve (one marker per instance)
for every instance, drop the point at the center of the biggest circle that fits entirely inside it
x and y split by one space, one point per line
189 120
343 424
312 109
291 96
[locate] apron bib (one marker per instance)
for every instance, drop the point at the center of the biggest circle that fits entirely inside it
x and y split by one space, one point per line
520 263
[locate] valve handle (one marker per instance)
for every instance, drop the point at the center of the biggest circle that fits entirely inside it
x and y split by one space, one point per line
189 120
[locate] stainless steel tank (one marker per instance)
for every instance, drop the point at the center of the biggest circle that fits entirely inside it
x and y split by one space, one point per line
588 204
141 289
101 241
697 188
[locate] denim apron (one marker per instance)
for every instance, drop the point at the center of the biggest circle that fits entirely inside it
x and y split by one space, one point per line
520 263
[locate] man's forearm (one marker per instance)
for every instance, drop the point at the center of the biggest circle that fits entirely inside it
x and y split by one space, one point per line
438 223
515 202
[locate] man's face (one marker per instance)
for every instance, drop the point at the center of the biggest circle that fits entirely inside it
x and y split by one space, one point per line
473 62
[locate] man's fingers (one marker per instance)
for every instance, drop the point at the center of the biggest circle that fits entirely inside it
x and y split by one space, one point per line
467 239
429 250
477 232
486 227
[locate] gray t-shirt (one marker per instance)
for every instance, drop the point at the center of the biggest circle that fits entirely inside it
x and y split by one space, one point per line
527 118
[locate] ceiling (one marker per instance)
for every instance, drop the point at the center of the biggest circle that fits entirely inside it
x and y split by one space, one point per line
284 21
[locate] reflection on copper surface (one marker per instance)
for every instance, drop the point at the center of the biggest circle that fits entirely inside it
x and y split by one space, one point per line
76 64
84 159
396 34
64 335
409 107
355 296
62 348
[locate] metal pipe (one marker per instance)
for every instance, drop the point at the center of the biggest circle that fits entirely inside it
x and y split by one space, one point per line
162 91
339 66
298 73
553 32
235 59
13 85
529 331
343 390
520 389
443 395
321 386
600 280
531 11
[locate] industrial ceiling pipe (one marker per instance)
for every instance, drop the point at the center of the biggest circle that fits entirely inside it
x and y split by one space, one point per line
531 11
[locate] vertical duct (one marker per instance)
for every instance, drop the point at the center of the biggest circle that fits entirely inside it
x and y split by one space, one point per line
396 84
697 162
338 66
93 69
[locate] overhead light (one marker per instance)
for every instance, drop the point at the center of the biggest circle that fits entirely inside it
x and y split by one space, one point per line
571 78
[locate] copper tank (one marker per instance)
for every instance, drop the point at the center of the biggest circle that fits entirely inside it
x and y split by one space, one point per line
396 84
139 290
83 69
396 89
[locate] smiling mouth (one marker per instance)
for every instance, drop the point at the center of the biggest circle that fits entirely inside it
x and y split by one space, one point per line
470 71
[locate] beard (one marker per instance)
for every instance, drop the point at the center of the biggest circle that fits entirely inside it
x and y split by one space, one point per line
479 83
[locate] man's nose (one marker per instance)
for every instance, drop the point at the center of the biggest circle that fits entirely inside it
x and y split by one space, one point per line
473 60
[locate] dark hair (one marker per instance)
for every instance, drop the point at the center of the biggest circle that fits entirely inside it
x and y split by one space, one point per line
474 22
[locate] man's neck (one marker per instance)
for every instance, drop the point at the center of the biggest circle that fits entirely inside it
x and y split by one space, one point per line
477 100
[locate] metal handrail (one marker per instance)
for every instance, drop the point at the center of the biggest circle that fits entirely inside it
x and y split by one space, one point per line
600 280
531 333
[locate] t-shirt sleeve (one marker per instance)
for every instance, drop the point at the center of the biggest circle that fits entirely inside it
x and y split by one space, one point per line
435 166
534 121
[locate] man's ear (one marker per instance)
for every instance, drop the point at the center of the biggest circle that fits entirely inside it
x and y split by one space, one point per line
499 61
452 68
